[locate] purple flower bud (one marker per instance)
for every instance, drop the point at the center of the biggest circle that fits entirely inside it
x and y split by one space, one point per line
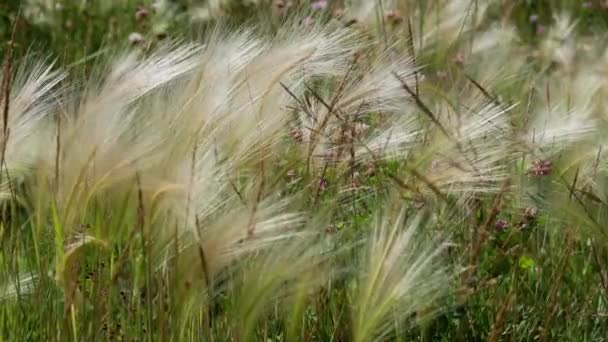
459 58
323 185
501 225
141 14
539 168
297 135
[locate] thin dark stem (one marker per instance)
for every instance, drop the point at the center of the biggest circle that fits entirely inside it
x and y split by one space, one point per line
425 109
413 52
206 278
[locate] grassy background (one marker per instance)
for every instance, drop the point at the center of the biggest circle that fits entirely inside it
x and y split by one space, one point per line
530 282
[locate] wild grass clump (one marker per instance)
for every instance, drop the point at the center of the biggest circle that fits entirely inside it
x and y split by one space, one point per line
345 170
163 168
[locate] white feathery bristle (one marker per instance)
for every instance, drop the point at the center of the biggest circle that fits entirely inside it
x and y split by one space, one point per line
105 137
556 128
393 141
369 90
475 157
452 18
34 97
241 102
400 275
560 43
377 89
498 37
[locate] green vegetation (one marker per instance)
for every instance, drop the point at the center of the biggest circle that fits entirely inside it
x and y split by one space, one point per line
288 170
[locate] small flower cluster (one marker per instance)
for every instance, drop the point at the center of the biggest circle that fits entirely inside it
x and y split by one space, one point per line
501 225
540 168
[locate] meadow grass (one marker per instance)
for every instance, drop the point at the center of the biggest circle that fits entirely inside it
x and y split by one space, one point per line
303 170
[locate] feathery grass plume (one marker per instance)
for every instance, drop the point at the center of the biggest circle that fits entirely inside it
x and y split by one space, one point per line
497 57
451 19
473 156
559 46
121 131
400 275
104 139
498 63
564 113
579 91
33 99
233 110
266 279
555 129
230 231
392 139
229 115
229 239
275 276
240 101
366 109
291 61
566 147
502 37
374 88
